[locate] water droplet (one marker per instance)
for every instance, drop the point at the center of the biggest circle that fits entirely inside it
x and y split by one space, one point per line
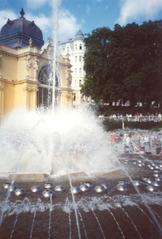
150 188
136 183
18 192
99 189
34 189
75 190
47 186
84 188
59 188
46 193
155 184
120 187
6 185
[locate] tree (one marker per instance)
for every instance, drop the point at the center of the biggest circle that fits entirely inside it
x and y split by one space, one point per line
96 63
125 64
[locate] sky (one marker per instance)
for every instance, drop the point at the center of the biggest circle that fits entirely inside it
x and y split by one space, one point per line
86 15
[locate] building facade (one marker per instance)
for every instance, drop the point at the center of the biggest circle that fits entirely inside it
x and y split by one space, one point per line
74 49
25 71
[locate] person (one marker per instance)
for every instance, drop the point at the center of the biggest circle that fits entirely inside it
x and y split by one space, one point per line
158 145
127 143
147 146
159 117
114 138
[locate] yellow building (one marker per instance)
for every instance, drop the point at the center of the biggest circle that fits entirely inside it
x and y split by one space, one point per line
25 72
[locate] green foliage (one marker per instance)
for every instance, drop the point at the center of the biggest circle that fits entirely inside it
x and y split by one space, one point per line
125 64
96 63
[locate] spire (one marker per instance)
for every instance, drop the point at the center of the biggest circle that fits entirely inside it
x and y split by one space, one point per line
22 13
79 35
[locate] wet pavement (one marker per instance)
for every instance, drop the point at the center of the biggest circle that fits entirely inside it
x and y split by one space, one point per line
103 206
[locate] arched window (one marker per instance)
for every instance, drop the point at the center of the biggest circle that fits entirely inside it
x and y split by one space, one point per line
44 97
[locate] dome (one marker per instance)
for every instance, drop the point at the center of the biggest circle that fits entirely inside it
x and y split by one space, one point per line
79 35
17 33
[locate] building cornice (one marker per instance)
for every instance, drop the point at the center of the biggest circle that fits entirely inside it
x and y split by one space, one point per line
19 52
19 82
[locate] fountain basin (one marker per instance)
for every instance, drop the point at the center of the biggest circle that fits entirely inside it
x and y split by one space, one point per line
28 177
93 208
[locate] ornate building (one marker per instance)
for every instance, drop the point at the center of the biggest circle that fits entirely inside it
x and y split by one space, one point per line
25 72
75 49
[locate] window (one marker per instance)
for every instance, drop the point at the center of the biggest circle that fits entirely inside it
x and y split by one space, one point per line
80 70
75 58
80 82
80 58
80 46
44 95
67 49
75 46
75 70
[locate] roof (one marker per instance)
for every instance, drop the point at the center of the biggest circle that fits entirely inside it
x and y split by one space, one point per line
79 35
17 33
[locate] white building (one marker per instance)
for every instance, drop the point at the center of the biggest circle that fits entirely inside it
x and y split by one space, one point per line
75 48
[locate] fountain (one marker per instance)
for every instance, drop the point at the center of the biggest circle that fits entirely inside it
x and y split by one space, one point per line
71 140
59 170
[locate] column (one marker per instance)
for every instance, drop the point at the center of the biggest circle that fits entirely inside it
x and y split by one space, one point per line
1 100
